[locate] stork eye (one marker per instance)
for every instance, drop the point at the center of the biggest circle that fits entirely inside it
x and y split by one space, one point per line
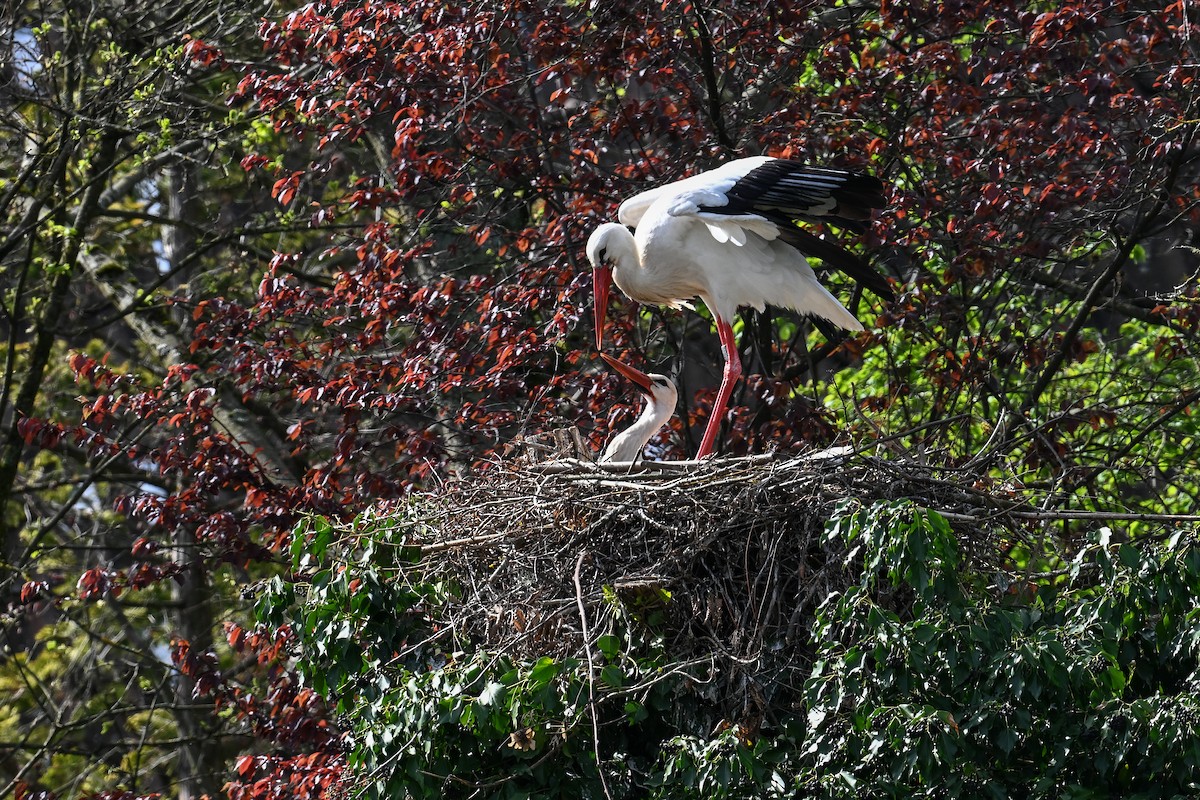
603 255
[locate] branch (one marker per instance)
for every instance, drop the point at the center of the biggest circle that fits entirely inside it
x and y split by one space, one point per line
1045 516
126 183
1122 256
587 649
711 86
47 334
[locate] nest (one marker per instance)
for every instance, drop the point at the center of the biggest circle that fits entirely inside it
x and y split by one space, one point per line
723 562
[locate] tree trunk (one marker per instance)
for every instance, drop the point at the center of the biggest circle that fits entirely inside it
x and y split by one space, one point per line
196 775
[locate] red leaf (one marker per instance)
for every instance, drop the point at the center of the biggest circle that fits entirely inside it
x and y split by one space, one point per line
144 548
32 590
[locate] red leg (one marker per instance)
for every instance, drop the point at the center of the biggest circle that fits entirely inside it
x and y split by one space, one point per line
733 371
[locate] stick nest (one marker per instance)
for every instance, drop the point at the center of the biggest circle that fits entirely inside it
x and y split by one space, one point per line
724 561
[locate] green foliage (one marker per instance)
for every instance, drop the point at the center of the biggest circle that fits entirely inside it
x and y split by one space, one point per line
1109 424
425 720
726 765
932 677
1083 686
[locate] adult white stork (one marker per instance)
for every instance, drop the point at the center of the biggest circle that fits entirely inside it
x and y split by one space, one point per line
660 405
728 236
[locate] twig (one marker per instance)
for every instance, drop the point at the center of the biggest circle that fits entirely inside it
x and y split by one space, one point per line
1042 516
587 649
439 547
574 466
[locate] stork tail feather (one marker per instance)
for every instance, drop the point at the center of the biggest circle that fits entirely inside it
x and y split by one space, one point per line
836 257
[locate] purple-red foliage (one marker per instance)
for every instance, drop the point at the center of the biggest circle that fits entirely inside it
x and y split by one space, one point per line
459 154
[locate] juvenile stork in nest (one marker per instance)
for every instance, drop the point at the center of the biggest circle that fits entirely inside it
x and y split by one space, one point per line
660 405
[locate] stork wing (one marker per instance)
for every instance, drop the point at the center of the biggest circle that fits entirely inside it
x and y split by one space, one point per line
796 190
712 184
780 191
765 196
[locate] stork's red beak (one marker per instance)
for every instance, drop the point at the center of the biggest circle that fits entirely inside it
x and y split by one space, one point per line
640 378
601 281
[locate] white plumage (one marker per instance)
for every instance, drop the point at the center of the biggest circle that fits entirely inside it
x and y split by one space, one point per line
660 405
728 237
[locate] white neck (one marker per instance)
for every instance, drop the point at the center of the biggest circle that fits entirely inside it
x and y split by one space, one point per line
627 264
652 283
628 445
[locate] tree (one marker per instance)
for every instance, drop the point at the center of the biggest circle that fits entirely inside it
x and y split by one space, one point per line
448 163
111 144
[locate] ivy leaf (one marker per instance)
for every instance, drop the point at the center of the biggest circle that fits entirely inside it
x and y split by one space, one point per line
612 675
492 694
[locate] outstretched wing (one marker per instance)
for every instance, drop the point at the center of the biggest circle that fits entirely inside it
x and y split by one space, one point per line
779 192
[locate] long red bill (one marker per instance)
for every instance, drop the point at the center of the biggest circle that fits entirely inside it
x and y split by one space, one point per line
638 377
601 281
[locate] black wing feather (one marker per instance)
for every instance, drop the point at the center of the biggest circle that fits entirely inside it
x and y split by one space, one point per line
803 192
784 191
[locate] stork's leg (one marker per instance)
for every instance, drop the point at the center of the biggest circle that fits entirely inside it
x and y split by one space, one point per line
733 371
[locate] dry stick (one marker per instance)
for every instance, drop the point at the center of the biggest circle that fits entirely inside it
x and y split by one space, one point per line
1046 516
574 466
587 651
427 549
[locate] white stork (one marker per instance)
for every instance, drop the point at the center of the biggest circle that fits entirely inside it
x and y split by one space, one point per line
728 236
660 405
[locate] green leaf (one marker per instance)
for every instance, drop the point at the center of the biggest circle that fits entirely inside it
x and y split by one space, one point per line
492 694
322 536
1116 679
543 672
609 646
612 675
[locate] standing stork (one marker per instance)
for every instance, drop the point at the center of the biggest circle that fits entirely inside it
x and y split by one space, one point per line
660 405
728 236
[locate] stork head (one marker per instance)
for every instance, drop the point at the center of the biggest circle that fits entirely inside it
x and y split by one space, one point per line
659 389
606 246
